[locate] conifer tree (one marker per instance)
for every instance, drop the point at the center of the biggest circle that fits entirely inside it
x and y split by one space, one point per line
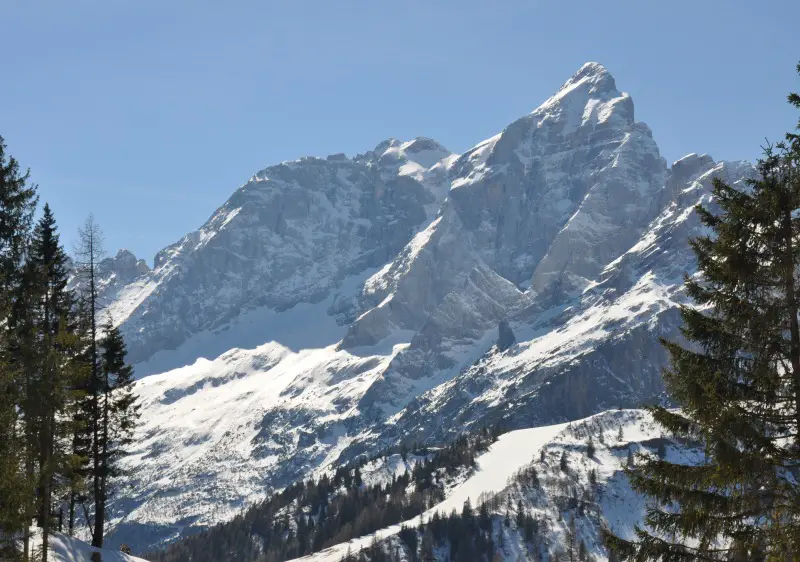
49 350
572 540
17 204
738 384
118 415
81 441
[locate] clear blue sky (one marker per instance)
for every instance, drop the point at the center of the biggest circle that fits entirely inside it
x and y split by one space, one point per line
150 113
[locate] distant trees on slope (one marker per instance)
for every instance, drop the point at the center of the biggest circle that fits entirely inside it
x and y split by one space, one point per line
317 513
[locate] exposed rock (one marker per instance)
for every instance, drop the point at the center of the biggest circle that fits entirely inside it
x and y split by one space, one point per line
505 336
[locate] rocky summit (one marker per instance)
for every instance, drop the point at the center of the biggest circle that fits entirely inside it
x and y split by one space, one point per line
341 305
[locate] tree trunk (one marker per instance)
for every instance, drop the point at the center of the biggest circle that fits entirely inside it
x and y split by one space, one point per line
71 514
47 486
100 516
97 534
30 440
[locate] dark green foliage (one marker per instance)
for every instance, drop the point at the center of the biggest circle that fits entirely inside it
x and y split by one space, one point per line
470 537
590 450
331 510
48 348
116 413
17 204
738 383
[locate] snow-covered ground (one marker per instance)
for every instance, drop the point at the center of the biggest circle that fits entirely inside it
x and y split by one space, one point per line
64 548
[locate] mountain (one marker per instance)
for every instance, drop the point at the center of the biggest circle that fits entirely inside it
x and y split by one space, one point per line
546 477
339 306
524 491
294 233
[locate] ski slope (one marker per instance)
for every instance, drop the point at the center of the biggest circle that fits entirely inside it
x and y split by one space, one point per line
510 453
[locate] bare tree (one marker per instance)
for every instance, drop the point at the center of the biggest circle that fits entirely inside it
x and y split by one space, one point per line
89 251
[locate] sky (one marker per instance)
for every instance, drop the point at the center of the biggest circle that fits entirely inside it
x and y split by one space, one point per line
149 114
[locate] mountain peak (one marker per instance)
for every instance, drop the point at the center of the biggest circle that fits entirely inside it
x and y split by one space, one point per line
125 254
422 150
589 96
423 143
591 69
593 76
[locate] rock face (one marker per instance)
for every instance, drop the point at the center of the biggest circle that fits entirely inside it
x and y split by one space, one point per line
291 234
122 269
337 306
505 336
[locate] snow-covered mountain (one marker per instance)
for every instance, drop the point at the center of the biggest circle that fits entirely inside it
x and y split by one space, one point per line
292 234
548 473
338 306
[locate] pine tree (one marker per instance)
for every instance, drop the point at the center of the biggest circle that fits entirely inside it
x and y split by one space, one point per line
118 414
81 442
738 385
48 360
572 541
17 204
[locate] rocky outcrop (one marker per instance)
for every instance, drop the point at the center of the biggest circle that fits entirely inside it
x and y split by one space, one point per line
123 268
505 336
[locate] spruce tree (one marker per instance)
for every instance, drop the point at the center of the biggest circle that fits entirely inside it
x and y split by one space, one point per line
119 412
17 204
737 383
81 442
48 354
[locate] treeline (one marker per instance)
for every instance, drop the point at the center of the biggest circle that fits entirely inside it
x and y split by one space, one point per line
67 408
469 536
503 523
312 515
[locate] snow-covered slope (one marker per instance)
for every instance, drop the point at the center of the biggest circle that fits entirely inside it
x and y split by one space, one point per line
338 306
63 548
503 478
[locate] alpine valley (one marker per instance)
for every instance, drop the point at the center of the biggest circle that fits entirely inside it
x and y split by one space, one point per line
345 306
